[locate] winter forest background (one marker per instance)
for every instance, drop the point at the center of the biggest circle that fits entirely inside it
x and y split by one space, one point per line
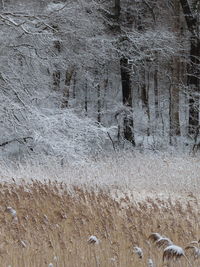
83 77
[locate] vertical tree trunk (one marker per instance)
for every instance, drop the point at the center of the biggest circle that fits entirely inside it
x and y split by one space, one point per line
145 97
156 92
126 86
86 99
127 100
175 82
99 103
56 73
174 120
105 85
174 99
74 86
56 80
194 85
193 80
117 9
66 92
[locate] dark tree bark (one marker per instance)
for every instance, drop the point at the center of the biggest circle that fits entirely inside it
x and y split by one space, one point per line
66 92
174 99
126 85
145 96
156 91
56 73
127 100
99 103
125 69
194 85
193 67
86 99
74 86
117 9
175 81
56 80
189 17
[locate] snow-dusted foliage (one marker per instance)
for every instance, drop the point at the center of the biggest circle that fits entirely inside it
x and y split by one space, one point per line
57 133
36 48
61 77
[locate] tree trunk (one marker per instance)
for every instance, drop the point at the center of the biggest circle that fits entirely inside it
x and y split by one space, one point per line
127 100
57 73
74 86
117 9
86 99
175 82
174 112
174 99
156 92
193 66
99 103
126 86
145 97
194 86
56 80
66 92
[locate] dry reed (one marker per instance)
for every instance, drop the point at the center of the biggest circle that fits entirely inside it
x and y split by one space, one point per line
61 226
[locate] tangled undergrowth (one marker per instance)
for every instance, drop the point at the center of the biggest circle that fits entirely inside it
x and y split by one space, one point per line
52 224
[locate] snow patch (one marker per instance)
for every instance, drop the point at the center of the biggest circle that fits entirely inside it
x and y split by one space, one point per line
55 6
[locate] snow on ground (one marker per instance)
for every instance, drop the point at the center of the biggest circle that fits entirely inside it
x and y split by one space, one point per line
139 175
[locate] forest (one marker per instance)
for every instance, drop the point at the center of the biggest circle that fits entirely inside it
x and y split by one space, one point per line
84 77
100 133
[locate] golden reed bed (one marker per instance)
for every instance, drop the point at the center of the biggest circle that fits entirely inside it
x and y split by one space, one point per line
50 224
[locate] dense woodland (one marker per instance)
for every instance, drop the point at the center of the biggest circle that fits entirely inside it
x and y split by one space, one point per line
80 77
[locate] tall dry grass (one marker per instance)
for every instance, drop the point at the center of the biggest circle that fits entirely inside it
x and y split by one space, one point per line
53 223
145 173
